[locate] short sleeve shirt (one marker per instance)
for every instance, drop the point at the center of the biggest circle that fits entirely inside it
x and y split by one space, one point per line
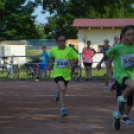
122 66
45 58
61 64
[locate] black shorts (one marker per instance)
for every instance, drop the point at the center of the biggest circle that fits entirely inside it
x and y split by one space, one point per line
87 64
60 78
119 89
123 81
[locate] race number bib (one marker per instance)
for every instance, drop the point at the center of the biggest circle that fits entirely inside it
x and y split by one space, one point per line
62 63
125 61
42 58
87 60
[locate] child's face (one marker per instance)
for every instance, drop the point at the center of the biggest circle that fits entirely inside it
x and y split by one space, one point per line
116 39
44 49
106 43
129 36
61 41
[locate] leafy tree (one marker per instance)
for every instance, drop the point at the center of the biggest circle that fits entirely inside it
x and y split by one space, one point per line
63 12
16 21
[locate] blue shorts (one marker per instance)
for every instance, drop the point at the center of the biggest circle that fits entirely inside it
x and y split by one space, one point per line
106 60
42 67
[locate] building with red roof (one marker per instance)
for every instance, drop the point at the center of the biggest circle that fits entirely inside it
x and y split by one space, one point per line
97 30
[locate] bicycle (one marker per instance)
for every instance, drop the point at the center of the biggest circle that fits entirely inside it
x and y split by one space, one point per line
5 71
76 72
31 72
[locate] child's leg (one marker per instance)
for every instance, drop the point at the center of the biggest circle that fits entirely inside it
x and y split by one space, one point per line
37 72
129 87
40 73
128 90
61 86
129 104
111 71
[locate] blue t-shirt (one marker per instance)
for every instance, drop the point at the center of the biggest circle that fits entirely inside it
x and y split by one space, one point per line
45 58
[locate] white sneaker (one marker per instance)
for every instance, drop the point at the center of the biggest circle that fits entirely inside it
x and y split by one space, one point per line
126 120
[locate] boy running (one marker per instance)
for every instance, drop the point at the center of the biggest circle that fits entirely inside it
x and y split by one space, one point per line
61 56
123 69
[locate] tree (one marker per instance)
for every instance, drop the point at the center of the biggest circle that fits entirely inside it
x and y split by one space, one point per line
16 21
63 12
40 29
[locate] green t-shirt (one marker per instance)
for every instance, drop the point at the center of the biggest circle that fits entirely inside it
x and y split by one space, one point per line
61 64
122 66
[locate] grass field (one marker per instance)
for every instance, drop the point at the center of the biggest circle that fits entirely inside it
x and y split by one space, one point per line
96 75
35 52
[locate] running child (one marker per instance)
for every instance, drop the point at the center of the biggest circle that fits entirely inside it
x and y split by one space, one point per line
61 56
43 66
116 86
123 69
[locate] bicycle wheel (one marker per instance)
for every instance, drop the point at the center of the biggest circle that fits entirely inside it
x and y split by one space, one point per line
34 74
76 73
3 72
15 71
29 73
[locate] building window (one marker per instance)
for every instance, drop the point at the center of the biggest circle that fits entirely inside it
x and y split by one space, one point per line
99 47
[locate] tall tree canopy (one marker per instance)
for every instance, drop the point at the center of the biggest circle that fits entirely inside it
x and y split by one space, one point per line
63 12
17 21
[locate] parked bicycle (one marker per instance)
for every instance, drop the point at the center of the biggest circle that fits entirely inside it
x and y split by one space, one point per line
5 69
76 72
31 72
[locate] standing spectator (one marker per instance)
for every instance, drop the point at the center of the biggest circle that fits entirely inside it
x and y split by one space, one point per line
87 59
43 66
116 40
105 48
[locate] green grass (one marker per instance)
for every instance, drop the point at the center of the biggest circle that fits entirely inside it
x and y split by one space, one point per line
37 52
96 76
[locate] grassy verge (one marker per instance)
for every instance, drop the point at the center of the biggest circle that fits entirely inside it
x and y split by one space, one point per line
96 76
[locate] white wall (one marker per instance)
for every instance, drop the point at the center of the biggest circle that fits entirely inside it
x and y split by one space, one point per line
18 50
13 48
96 36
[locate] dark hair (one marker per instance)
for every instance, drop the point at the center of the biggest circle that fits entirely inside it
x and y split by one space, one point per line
70 45
106 40
89 41
121 36
58 35
125 28
44 47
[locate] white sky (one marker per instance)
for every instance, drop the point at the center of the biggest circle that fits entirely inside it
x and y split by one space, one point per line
40 17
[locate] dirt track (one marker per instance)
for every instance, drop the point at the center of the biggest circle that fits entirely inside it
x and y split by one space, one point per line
29 108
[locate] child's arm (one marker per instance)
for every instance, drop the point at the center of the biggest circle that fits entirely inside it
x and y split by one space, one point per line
108 68
99 64
51 61
73 62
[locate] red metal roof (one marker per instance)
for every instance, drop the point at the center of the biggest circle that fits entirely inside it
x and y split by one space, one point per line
103 22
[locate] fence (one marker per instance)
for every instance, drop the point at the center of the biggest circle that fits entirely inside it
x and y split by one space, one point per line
12 61
37 44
